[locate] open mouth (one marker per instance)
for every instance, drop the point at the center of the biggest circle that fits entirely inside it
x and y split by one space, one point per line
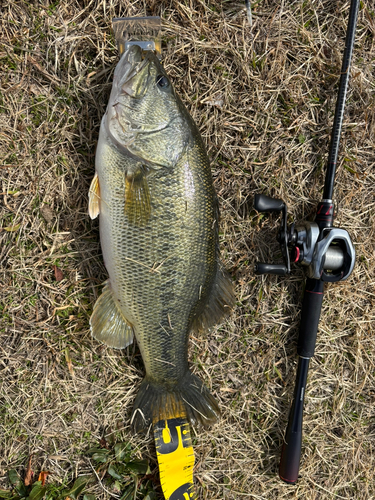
135 61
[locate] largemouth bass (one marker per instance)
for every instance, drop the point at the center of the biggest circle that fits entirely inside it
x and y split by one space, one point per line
159 236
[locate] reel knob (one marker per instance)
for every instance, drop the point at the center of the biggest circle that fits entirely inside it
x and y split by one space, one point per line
264 268
263 203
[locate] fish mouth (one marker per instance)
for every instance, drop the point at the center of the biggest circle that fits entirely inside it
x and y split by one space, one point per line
124 121
133 63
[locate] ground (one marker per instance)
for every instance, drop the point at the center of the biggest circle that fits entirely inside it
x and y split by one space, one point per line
263 98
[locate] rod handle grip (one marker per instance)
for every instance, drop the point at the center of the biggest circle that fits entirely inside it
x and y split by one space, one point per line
291 450
311 308
290 456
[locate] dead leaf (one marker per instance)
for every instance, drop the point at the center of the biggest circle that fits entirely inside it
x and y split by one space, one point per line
69 362
42 476
59 276
29 473
12 229
103 443
47 213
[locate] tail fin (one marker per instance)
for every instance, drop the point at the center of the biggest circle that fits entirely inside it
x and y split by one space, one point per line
156 402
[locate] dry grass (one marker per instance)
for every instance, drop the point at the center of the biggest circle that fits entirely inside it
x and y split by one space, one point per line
263 99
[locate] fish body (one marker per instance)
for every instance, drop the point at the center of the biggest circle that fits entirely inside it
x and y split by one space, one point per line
159 236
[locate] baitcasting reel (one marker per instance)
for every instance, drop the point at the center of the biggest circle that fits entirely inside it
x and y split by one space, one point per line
326 251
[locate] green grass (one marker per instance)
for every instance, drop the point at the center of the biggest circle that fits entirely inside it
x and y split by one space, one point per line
114 469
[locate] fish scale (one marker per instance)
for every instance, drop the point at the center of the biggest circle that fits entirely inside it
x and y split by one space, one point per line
159 270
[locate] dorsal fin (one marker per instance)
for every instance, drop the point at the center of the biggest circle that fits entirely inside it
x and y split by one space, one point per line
220 302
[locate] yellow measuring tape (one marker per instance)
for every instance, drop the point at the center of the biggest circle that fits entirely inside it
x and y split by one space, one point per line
175 454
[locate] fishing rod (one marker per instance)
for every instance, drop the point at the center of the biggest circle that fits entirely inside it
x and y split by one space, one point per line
325 251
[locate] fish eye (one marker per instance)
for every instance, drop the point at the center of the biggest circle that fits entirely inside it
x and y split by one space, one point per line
162 81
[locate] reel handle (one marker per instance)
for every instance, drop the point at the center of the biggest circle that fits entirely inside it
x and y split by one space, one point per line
263 203
264 268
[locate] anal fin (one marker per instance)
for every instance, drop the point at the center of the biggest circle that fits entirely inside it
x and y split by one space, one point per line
94 197
107 322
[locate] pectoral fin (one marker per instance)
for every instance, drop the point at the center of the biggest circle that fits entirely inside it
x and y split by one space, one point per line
94 197
137 197
107 322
